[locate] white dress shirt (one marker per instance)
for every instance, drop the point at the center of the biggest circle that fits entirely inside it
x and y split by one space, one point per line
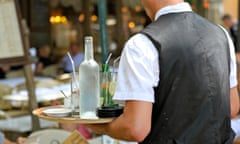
139 70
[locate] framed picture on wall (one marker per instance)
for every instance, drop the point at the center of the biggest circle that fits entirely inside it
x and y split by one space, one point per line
12 47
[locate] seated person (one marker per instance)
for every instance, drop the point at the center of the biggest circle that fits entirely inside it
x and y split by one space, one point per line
3 71
4 140
44 59
77 57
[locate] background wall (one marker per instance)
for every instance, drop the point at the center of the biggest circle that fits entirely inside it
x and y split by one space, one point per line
231 7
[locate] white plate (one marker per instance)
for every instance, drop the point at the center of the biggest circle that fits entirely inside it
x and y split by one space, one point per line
57 112
48 136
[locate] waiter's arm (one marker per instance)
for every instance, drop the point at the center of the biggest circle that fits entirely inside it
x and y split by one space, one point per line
234 101
133 125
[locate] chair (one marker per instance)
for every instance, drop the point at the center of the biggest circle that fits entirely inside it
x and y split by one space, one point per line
15 73
47 83
50 70
3 115
5 90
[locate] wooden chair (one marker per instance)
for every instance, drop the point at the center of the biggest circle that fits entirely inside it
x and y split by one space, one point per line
50 71
5 90
15 73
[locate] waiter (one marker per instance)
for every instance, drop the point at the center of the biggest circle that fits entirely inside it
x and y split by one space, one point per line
174 80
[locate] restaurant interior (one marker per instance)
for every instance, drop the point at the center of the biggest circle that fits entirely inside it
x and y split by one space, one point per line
57 24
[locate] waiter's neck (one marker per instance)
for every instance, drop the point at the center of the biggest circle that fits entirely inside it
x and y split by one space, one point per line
164 3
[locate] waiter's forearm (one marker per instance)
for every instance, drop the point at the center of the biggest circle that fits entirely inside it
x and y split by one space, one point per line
234 101
116 129
133 125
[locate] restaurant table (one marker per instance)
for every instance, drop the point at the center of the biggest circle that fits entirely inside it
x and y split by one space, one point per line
235 125
23 124
42 94
12 82
46 89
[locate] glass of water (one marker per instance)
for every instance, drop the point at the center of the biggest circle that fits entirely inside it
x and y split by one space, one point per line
75 94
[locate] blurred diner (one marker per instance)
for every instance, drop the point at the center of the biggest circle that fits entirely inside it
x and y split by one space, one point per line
3 71
44 59
4 140
232 27
65 63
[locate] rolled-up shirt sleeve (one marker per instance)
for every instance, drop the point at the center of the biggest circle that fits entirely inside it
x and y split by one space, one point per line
233 66
136 76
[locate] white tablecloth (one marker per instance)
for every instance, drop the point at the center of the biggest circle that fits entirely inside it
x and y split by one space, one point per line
42 93
23 124
12 82
235 124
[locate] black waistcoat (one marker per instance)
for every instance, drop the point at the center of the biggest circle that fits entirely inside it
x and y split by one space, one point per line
192 98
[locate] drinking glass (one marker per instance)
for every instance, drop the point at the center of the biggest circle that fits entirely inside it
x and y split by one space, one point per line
75 94
104 89
113 83
67 102
112 86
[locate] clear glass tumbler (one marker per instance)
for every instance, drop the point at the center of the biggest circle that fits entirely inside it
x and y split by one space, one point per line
75 94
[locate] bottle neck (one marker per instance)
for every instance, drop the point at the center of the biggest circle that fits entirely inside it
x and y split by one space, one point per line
88 44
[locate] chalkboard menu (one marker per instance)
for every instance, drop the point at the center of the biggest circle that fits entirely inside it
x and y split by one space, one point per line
12 46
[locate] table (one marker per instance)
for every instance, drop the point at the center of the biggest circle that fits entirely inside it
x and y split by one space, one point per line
23 124
39 112
12 82
44 93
